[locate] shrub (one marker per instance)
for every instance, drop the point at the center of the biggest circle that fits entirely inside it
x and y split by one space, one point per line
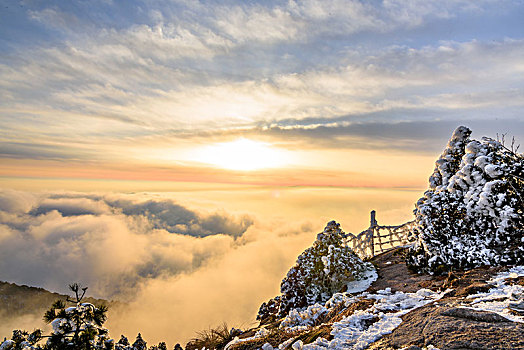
472 213
320 271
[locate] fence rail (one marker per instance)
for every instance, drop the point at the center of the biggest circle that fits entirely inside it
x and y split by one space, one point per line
378 239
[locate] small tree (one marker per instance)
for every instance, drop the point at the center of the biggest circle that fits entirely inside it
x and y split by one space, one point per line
473 212
79 326
320 271
139 343
122 344
22 340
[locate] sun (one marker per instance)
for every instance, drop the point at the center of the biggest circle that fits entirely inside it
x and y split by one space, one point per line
242 154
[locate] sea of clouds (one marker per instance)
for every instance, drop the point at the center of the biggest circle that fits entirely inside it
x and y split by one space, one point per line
177 269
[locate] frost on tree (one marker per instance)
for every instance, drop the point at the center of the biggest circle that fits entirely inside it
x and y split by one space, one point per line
78 327
320 271
22 340
472 213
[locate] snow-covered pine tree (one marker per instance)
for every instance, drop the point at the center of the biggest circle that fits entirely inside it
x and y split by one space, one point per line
123 343
472 213
139 343
320 271
22 340
77 327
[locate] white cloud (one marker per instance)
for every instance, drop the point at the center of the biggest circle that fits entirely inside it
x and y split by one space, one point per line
173 284
109 242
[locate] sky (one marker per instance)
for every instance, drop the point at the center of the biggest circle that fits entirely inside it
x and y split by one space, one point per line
209 141
204 90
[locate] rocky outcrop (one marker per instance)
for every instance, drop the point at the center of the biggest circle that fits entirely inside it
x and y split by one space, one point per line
449 327
452 318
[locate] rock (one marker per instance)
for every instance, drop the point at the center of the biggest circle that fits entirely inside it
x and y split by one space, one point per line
454 328
452 280
474 288
517 280
517 308
475 315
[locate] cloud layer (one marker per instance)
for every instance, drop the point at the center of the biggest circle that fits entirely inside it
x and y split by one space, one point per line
177 270
109 242
174 283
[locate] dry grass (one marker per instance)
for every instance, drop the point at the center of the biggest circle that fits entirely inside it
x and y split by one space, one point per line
212 338
322 331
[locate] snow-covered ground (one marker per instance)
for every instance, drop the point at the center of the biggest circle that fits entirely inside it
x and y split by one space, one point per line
352 332
499 298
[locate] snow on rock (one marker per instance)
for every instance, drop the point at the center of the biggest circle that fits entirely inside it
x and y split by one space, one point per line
364 327
472 213
267 346
328 267
301 319
366 279
499 298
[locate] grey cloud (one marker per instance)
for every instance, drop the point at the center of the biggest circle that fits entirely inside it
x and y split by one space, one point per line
174 218
38 150
417 131
159 213
12 201
223 223
70 207
412 136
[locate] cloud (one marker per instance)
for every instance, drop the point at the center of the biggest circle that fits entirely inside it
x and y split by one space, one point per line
172 284
70 207
88 82
109 242
12 201
174 218
229 290
103 87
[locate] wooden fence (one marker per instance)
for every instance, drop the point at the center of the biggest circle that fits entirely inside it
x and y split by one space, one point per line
378 239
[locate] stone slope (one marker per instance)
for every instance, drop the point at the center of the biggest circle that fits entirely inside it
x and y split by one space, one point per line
447 322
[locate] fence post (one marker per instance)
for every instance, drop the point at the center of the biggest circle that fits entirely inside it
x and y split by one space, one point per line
373 221
372 225
372 242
